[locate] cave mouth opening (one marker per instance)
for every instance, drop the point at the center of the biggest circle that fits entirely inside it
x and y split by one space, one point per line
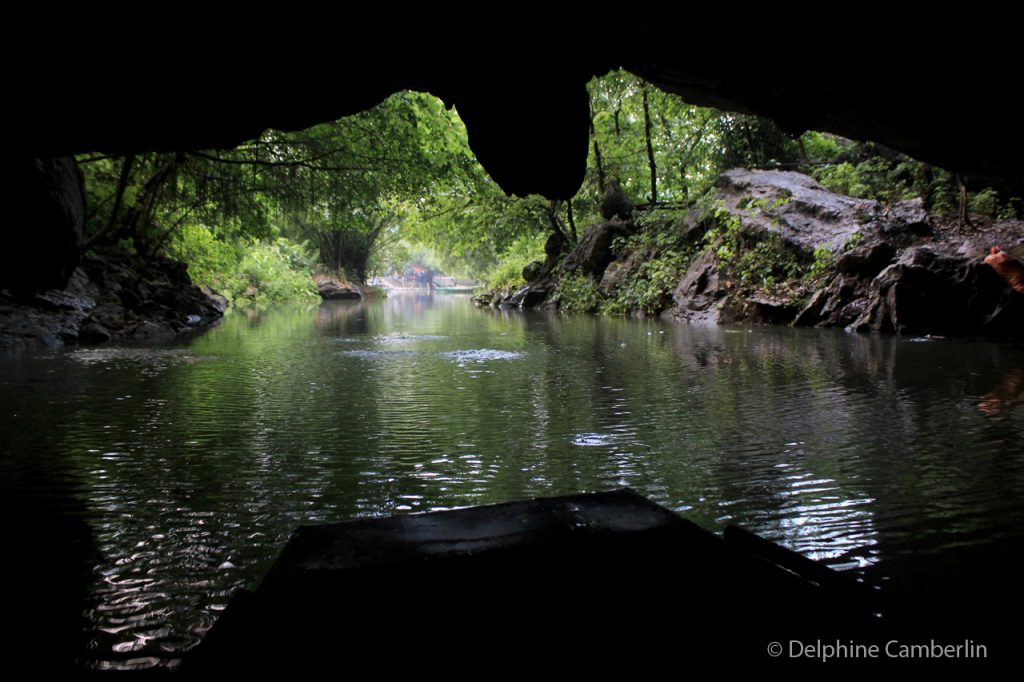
888 84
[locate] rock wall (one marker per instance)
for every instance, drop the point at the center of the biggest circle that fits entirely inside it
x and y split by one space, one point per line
928 292
43 217
894 269
111 296
806 221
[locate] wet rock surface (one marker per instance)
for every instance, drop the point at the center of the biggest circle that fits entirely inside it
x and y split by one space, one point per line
332 289
795 207
890 269
928 292
700 296
111 296
593 253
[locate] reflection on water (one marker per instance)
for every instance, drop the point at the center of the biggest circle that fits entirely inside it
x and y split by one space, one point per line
189 466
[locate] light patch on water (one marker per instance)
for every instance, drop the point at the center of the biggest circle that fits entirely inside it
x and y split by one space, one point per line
147 361
91 356
377 353
592 440
481 355
408 338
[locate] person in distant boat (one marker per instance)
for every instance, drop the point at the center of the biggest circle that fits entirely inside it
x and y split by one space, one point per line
1008 267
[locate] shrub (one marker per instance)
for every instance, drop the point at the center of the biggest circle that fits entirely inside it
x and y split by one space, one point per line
985 202
211 261
274 272
246 272
577 293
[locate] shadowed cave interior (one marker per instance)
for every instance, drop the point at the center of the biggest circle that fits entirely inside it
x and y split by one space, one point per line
866 76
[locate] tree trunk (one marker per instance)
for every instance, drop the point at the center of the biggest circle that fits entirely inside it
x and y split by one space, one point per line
650 149
556 222
965 220
924 184
755 158
597 156
137 220
122 185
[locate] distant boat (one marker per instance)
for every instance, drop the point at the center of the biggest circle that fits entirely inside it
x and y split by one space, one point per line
455 290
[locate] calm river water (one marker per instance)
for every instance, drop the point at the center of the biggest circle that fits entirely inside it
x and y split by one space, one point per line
160 479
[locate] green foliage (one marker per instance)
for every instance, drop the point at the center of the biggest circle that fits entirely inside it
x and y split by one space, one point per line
509 272
985 202
764 265
1011 209
822 265
247 272
760 262
650 289
822 147
692 145
399 183
577 293
666 255
337 185
753 142
273 272
127 244
841 179
211 261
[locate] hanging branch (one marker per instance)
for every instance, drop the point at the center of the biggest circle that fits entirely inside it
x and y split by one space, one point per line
302 163
556 222
122 185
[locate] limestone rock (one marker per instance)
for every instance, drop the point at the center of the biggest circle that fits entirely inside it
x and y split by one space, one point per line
837 304
593 252
112 295
867 260
615 203
926 292
533 270
331 289
795 207
699 296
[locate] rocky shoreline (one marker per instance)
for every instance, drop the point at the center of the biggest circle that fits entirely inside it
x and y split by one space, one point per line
839 262
111 296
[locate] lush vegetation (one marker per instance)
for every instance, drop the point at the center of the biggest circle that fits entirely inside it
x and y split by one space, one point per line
258 217
398 184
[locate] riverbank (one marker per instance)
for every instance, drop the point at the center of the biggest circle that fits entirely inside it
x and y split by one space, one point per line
112 295
777 247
